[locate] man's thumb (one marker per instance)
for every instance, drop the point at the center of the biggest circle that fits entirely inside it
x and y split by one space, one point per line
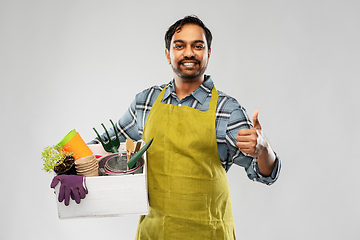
256 120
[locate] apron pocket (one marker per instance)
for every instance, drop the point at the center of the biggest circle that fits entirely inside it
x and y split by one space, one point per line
184 216
194 206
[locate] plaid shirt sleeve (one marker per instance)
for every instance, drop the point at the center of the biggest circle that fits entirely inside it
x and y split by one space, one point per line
132 123
126 127
238 119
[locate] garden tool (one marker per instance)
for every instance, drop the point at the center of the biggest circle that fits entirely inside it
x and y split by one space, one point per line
136 156
129 149
111 145
137 147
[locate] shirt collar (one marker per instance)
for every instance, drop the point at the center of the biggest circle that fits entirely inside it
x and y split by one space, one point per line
200 94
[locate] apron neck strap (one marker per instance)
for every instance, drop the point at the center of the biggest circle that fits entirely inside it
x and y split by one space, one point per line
214 99
212 103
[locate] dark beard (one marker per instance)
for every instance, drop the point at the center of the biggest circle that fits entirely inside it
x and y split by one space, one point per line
188 77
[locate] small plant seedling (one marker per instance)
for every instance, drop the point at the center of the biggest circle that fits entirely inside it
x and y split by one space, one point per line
53 157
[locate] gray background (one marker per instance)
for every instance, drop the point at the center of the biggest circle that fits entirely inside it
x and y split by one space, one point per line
74 64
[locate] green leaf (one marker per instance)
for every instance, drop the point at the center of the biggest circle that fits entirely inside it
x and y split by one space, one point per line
53 156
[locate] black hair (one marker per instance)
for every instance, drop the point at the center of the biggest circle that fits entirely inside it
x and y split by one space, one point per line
192 19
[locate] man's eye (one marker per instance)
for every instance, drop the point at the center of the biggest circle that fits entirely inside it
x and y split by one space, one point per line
199 47
178 46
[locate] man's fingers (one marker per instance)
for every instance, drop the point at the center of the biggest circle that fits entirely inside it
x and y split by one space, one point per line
246 145
247 140
245 132
255 118
245 135
246 148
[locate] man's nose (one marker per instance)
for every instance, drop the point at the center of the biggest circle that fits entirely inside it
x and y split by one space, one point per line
189 52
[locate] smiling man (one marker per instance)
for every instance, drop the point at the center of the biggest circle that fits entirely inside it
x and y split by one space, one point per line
188 53
199 132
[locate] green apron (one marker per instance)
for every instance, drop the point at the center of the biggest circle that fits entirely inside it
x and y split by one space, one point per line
188 190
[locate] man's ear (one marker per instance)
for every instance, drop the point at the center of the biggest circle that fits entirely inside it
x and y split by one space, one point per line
167 54
209 53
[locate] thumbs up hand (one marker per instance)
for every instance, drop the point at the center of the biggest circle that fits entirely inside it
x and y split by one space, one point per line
252 141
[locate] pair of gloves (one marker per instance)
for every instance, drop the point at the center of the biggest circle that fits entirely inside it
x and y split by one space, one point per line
73 186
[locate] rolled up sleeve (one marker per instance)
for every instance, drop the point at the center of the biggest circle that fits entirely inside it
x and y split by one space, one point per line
254 174
249 163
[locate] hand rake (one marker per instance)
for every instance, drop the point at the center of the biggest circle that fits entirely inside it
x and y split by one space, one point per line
111 145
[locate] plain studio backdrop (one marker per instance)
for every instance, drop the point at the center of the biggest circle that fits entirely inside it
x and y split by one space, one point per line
75 64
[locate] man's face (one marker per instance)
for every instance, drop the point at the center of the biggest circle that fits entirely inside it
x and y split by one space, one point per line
189 53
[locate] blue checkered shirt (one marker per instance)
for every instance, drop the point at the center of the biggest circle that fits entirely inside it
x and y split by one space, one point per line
230 118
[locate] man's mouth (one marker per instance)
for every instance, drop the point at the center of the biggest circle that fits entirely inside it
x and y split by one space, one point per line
189 64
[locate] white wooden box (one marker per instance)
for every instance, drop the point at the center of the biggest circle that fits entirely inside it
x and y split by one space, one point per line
109 196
